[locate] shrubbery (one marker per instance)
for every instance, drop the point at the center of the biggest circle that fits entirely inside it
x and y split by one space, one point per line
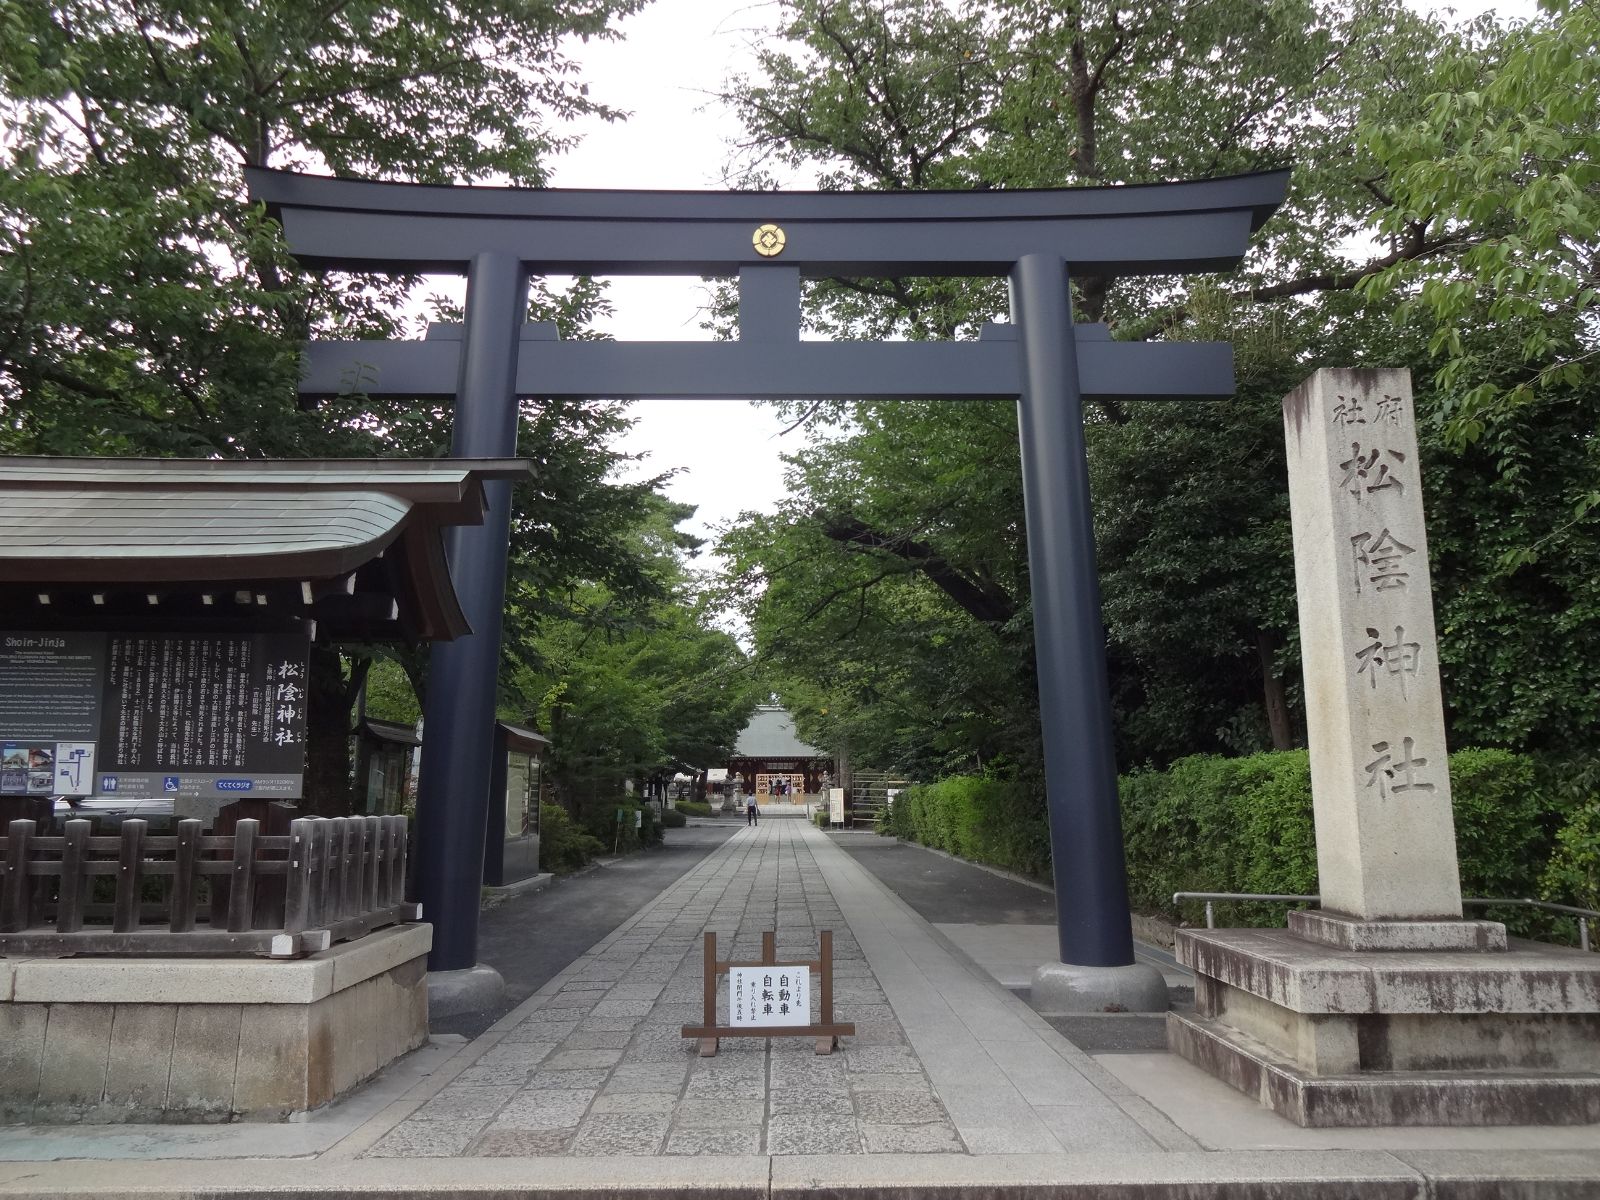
981 817
673 819
563 846
1211 824
693 808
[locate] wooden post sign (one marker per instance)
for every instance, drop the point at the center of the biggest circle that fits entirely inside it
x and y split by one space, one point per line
764 997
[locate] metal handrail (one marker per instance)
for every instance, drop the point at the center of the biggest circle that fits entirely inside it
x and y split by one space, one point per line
1584 915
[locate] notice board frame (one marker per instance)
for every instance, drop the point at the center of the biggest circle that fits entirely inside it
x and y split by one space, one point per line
826 1031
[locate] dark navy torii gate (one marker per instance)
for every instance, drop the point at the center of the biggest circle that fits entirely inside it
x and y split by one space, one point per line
769 240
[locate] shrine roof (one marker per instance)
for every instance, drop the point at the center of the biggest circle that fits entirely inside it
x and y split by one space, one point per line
366 532
522 739
770 734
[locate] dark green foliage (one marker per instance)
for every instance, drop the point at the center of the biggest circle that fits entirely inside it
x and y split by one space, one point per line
1214 824
985 818
1211 824
611 823
1573 875
563 846
694 808
673 819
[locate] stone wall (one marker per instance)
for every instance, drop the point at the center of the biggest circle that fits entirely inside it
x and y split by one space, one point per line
114 1039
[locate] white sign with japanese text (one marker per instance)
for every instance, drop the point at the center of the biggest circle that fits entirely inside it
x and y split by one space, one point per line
769 996
836 806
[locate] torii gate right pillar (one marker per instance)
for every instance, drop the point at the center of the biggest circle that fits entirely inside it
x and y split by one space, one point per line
1097 971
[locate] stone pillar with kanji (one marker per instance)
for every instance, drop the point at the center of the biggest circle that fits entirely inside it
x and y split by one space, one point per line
1380 778
1384 1005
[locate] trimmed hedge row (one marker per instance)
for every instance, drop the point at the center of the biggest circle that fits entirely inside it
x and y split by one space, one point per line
981 817
1212 824
693 808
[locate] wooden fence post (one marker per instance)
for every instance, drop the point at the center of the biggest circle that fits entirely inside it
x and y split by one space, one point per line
71 899
241 898
16 897
297 883
184 897
125 913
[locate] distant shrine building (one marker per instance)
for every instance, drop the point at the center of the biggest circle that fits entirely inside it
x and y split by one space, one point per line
769 752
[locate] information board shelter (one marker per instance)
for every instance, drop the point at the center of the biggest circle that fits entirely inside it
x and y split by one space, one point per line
511 837
159 613
769 241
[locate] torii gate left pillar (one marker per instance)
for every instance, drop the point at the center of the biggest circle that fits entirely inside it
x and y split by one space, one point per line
769 240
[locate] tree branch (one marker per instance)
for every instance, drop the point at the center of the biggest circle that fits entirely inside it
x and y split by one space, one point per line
984 600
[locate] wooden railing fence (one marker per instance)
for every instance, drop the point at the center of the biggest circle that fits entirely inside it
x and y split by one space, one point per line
327 880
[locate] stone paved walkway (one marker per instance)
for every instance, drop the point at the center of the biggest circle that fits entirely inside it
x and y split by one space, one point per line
600 1066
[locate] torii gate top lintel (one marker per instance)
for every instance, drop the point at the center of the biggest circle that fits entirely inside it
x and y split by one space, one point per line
1159 228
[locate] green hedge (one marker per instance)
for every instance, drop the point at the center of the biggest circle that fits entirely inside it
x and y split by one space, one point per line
1211 824
673 819
984 818
694 808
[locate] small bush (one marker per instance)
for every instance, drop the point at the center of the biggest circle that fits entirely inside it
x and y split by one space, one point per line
694 808
563 847
673 819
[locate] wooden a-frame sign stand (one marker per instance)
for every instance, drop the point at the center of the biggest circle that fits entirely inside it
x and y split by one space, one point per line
827 1031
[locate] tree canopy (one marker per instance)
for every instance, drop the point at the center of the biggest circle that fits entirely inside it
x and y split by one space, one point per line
892 589
146 307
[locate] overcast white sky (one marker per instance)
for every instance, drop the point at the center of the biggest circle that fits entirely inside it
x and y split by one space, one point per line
674 54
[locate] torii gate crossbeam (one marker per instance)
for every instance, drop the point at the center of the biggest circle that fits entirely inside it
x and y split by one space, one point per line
499 237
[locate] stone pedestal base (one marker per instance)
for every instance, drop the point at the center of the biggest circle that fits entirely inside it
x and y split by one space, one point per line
472 989
123 1038
1334 1037
1060 989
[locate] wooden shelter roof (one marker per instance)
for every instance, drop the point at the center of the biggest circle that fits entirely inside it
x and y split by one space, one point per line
356 542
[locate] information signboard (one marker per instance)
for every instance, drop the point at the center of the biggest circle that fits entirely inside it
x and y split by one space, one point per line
767 996
146 715
836 806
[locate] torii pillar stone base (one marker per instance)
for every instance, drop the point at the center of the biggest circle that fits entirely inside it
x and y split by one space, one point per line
1386 1007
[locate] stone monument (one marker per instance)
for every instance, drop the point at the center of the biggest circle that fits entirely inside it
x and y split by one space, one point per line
1386 1007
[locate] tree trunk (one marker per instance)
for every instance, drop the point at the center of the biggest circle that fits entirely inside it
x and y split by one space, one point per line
328 792
1273 692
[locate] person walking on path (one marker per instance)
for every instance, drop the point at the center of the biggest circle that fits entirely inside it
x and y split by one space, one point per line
752 816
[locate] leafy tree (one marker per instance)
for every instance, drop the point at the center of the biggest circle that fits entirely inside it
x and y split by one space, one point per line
1501 167
634 688
1190 513
147 308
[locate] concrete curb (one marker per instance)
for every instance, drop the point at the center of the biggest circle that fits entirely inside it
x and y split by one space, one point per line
1245 1175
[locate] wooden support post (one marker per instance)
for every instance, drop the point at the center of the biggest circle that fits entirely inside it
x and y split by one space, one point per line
241 896
373 840
72 897
16 896
360 836
348 874
182 899
297 885
825 978
322 864
708 1009
130 878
